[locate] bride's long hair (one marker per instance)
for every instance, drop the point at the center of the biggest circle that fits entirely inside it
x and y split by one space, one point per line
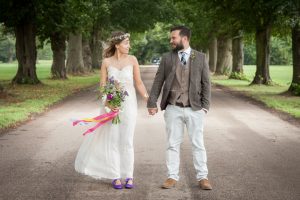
116 38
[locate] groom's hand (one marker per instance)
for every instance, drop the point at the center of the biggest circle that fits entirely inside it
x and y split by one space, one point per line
152 111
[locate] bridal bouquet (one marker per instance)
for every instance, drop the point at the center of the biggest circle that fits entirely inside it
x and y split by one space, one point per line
114 95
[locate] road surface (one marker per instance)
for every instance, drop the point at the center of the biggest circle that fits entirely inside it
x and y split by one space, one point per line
252 154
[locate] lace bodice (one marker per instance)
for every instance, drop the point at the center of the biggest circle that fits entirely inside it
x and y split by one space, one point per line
123 75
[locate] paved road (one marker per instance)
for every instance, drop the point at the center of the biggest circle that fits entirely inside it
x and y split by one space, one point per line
251 155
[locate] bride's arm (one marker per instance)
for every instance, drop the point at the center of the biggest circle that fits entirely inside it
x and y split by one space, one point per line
103 73
103 78
138 81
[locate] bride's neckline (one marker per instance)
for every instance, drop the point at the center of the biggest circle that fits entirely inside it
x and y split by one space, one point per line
120 68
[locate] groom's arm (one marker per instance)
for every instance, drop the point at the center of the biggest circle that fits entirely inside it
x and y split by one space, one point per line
157 84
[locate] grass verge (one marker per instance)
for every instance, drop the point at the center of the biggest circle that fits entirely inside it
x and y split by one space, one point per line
22 101
273 96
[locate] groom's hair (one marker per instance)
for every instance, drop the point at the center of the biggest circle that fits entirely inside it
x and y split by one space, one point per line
184 31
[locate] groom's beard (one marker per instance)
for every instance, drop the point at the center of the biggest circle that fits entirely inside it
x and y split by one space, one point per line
178 47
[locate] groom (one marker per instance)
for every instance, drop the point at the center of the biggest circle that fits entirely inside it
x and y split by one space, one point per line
184 74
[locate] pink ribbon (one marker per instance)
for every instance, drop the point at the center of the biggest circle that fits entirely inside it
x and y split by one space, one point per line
101 119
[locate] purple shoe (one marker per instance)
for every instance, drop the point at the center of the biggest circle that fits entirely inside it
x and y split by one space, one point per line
117 186
127 185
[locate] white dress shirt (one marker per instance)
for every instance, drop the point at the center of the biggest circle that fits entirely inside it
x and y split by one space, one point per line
187 53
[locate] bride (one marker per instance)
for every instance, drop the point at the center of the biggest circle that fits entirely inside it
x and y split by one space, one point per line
109 153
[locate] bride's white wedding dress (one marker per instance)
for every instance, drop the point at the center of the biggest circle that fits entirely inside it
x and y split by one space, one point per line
108 152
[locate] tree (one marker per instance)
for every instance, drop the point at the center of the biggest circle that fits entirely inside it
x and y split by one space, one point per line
227 28
152 44
131 15
86 55
104 16
7 45
224 59
295 85
213 54
55 29
230 40
257 17
1 89
237 57
78 14
200 20
261 21
213 26
197 16
292 10
99 14
75 63
58 47
22 17
2 92
68 18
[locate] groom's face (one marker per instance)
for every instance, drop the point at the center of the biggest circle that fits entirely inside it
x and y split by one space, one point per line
176 40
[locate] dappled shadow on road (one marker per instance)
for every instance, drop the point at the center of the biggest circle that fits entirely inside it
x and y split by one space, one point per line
248 157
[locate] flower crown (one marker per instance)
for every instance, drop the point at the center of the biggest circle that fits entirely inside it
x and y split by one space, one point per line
120 37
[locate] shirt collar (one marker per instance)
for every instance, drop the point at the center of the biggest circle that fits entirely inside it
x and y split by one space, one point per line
187 51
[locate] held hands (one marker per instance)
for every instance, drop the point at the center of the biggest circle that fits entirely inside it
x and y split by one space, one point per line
152 111
146 97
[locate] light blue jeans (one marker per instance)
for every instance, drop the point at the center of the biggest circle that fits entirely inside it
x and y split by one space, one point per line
176 118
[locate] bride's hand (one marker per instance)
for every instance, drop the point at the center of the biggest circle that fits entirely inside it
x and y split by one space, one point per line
146 97
116 109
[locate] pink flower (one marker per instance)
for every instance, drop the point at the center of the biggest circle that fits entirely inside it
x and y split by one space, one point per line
110 96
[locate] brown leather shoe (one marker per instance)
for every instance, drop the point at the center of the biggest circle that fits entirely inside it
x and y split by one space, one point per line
205 185
169 183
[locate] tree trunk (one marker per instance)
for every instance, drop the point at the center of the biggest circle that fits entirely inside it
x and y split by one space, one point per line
213 55
86 54
224 59
10 54
295 85
96 49
206 55
75 64
262 75
237 56
2 92
26 54
58 46
1 89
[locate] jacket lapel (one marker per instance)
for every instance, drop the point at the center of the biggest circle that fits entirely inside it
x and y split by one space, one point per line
172 72
192 66
174 56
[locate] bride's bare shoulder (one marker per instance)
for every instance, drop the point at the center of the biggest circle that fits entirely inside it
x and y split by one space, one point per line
105 62
133 59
